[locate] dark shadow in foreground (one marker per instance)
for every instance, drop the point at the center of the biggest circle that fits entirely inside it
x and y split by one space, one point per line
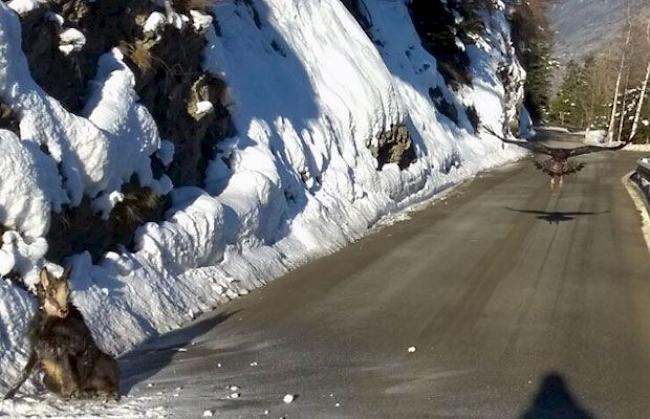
145 361
554 401
556 217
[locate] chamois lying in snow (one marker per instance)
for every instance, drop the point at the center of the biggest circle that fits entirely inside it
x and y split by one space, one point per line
62 347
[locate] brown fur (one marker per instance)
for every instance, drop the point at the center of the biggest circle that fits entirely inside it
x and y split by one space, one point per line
63 348
54 371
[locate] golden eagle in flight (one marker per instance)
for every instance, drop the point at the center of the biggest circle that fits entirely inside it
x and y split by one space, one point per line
559 163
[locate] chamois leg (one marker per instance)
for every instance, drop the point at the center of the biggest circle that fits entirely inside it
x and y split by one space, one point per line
109 370
105 378
69 382
51 385
27 371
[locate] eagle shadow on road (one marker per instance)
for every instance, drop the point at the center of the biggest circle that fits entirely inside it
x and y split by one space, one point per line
556 217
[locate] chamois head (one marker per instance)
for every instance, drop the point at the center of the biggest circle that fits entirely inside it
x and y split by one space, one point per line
53 293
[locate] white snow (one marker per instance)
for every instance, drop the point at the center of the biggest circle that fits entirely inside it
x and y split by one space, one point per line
411 349
30 186
166 152
297 183
200 21
52 407
204 107
596 137
154 22
289 398
72 40
638 147
526 129
25 6
55 17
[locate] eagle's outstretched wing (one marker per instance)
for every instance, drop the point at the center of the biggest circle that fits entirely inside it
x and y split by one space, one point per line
557 152
594 149
530 145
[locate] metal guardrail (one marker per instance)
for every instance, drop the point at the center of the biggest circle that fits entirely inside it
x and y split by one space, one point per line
643 169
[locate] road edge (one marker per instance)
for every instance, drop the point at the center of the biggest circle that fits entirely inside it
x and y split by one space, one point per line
640 204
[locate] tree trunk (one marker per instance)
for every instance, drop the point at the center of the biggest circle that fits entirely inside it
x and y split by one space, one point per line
619 77
644 89
623 109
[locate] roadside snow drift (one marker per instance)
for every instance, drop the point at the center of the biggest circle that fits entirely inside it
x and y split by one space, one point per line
311 95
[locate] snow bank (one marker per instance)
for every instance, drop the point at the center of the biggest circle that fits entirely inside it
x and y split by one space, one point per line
311 92
596 137
645 148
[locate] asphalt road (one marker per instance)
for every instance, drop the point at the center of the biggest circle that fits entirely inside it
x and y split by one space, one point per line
519 300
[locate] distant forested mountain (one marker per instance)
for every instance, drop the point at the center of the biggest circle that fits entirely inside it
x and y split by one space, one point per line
583 26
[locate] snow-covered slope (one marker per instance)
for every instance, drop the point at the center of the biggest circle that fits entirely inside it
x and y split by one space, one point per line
311 95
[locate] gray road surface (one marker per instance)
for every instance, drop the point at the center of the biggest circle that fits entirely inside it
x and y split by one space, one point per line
520 302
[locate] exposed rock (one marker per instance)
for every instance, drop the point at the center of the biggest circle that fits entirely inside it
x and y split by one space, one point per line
63 67
473 117
442 105
81 229
394 146
173 86
436 24
451 161
8 119
63 41
513 97
358 10
253 12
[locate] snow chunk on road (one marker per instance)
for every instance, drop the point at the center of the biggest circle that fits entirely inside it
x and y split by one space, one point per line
289 398
411 349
